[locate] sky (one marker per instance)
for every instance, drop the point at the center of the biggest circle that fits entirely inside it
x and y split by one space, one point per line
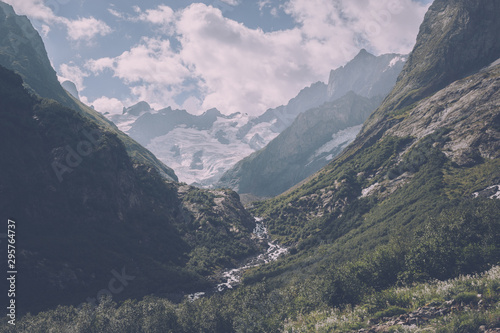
234 55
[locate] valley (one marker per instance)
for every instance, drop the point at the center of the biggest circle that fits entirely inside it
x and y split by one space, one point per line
371 201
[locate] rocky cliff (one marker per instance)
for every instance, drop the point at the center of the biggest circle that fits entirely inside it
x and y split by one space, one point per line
448 48
427 157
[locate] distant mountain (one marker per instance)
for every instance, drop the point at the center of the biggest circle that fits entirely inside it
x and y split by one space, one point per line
71 88
22 50
314 138
319 134
366 75
86 213
278 119
202 148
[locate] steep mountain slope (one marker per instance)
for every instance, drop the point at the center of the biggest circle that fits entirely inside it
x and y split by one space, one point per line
319 134
313 139
283 116
438 59
22 50
414 166
413 198
85 213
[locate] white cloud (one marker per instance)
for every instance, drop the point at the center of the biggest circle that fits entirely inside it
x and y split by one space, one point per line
35 9
80 29
236 68
152 62
231 2
105 104
74 74
45 30
163 15
264 3
382 26
116 13
87 28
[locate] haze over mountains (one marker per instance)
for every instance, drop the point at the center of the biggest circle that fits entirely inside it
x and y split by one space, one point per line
413 199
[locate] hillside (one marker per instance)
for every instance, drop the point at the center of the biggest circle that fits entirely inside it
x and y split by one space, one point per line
400 232
83 210
22 50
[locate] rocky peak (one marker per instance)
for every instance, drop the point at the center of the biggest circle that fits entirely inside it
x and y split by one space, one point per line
367 75
22 50
137 109
71 88
456 39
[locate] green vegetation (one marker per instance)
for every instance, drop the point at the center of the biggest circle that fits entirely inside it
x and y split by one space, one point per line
259 309
101 213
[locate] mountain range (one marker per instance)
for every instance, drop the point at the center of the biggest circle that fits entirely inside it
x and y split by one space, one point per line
400 231
320 133
91 204
202 148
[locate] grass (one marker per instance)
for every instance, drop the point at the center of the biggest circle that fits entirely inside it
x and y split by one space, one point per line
464 289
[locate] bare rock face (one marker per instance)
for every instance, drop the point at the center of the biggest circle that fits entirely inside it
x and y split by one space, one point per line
456 39
22 50
469 108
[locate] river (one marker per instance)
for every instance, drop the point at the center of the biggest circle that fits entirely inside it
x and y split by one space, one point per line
233 276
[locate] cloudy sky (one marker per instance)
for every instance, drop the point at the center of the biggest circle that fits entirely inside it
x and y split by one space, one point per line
236 55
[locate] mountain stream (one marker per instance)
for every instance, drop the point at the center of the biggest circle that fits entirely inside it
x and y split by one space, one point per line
233 276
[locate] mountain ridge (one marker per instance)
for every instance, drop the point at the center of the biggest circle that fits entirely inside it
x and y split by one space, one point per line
22 50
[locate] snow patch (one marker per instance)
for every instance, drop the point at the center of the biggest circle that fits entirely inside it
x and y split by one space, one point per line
395 60
340 139
492 192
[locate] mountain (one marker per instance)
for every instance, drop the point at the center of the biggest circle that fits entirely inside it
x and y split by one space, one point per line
86 213
319 134
202 148
314 138
376 235
440 59
281 117
22 50
417 183
71 88
366 75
